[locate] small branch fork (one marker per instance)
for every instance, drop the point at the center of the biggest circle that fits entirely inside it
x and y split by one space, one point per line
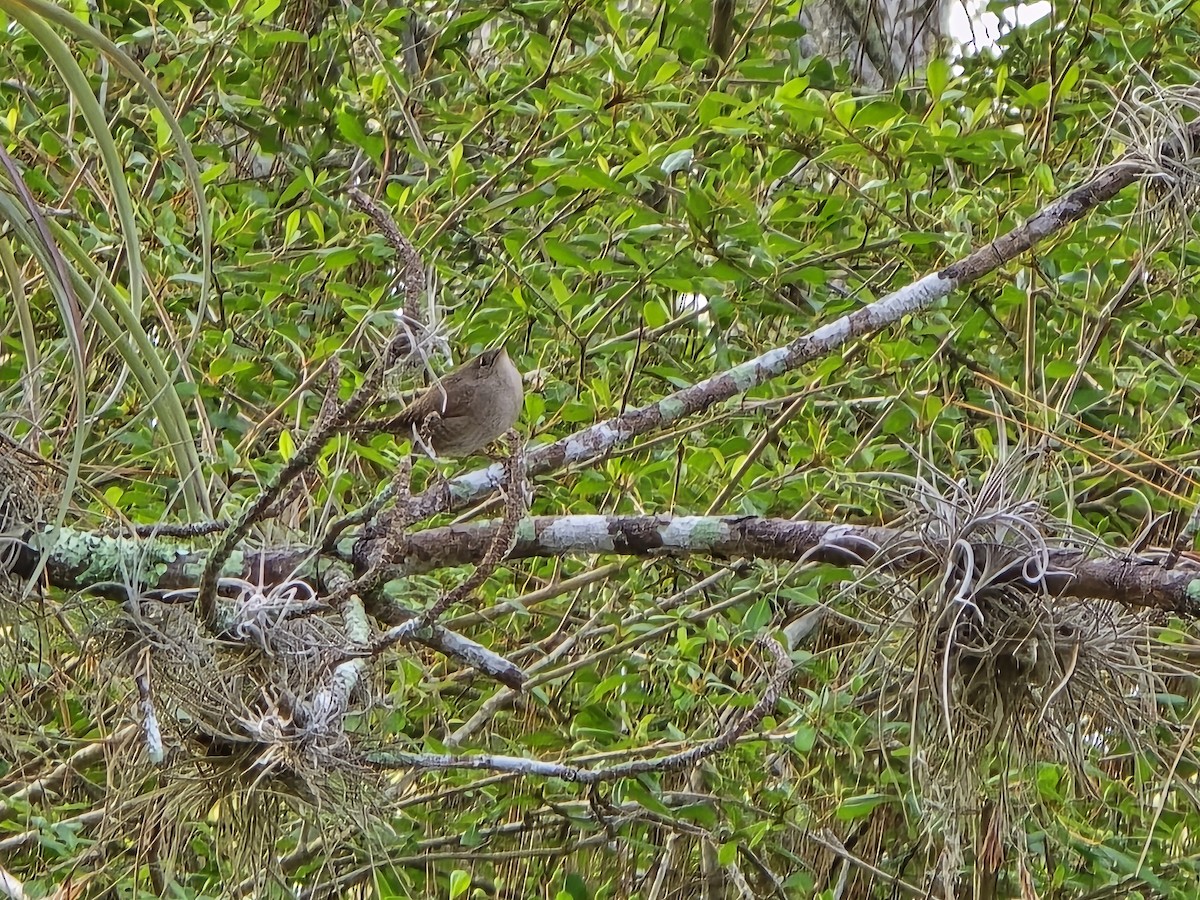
685 759
393 544
502 542
306 455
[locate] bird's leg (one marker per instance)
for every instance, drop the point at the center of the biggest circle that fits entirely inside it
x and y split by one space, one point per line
512 458
420 433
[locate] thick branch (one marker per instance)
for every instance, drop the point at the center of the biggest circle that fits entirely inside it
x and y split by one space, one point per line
1129 580
86 562
720 31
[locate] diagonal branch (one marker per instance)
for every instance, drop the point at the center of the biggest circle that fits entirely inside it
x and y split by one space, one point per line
597 440
685 759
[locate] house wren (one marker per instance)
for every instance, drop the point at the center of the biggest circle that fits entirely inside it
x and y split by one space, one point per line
468 409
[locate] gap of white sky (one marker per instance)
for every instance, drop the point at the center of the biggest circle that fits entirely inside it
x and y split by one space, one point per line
976 30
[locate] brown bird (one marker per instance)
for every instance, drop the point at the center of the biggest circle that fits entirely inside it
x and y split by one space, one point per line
467 410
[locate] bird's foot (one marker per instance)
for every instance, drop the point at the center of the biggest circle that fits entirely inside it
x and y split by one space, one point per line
503 447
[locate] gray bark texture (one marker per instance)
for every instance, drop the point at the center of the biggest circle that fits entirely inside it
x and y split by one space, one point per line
883 41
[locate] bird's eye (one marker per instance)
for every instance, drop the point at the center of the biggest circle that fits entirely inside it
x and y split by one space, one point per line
486 360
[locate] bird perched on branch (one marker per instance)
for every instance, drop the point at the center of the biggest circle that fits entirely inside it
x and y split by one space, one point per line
464 411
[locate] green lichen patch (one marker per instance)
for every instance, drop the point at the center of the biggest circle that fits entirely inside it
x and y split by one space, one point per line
744 376
1193 590
693 532
670 409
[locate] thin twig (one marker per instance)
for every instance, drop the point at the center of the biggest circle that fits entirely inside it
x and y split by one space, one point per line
305 456
682 760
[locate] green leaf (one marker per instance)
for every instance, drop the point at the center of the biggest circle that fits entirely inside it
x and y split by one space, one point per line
805 739
937 77
350 127
758 617
460 883
1045 177
575 888
287 446
677 161
1059 368
863 805
592 178
263 10
564 254
655 313
1048 782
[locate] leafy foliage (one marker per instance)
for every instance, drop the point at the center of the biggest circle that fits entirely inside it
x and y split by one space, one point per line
583 186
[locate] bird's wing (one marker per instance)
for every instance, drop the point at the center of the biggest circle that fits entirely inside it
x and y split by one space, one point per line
447 400
441 401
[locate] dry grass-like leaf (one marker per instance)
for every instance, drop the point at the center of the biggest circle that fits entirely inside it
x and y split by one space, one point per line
1152 121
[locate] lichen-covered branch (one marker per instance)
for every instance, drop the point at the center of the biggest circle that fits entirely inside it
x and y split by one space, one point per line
79 561
327 707
599 439
116 567
1137 581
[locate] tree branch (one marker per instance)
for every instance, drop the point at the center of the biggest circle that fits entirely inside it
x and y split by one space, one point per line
597 440
1139 581
720 34
683 760
79 561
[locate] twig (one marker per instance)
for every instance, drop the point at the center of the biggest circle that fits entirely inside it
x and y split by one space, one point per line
413 270
35 791
1186 536
10 887
833 845
682 760
397 487
151 733
184 530
435 637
